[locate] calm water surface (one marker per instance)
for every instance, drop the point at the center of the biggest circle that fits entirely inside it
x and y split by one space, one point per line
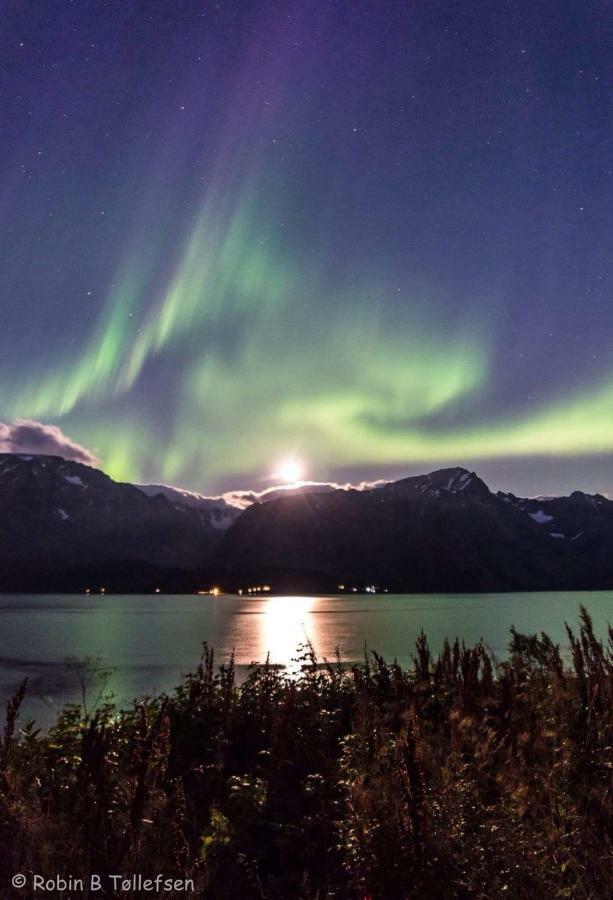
148 642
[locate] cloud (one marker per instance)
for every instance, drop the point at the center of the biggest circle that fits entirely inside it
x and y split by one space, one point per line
243 499
28 436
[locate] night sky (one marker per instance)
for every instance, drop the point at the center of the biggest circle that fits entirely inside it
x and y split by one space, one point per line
373 236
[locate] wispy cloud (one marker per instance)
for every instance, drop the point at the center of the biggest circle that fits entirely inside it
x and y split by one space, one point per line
242 499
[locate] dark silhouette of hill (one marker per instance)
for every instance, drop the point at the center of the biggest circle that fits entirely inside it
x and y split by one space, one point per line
67 526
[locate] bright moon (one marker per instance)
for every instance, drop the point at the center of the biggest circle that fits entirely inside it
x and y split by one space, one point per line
290 470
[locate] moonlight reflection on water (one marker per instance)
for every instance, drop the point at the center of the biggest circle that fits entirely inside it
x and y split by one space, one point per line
284 626
149 642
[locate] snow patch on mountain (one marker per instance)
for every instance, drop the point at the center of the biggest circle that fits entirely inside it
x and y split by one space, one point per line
540 517
74 479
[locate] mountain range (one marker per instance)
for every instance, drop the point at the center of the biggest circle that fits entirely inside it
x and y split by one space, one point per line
66 526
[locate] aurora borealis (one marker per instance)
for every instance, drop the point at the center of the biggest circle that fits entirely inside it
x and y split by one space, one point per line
376 235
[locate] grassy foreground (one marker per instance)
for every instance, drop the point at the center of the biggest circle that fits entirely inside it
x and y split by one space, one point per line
455 779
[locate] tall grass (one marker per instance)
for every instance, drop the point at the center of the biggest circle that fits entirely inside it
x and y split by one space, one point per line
457 778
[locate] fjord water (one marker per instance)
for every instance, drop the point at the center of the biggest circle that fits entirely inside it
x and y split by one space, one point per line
148 642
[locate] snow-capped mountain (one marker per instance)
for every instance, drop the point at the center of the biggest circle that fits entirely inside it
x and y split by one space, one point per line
59 516
218 511
438 484
580 517
441 532
64 525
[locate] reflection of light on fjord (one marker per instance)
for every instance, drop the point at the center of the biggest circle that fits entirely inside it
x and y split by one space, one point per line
285 624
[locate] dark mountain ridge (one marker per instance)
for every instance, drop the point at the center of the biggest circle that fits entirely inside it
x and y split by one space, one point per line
60 520
65 526
442 532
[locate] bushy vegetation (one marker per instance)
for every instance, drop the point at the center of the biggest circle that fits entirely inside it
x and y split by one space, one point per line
457 778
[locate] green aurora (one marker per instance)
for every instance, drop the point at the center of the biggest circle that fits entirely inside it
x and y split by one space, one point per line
280 251
350 392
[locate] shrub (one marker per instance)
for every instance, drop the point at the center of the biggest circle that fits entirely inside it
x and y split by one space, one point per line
457 778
